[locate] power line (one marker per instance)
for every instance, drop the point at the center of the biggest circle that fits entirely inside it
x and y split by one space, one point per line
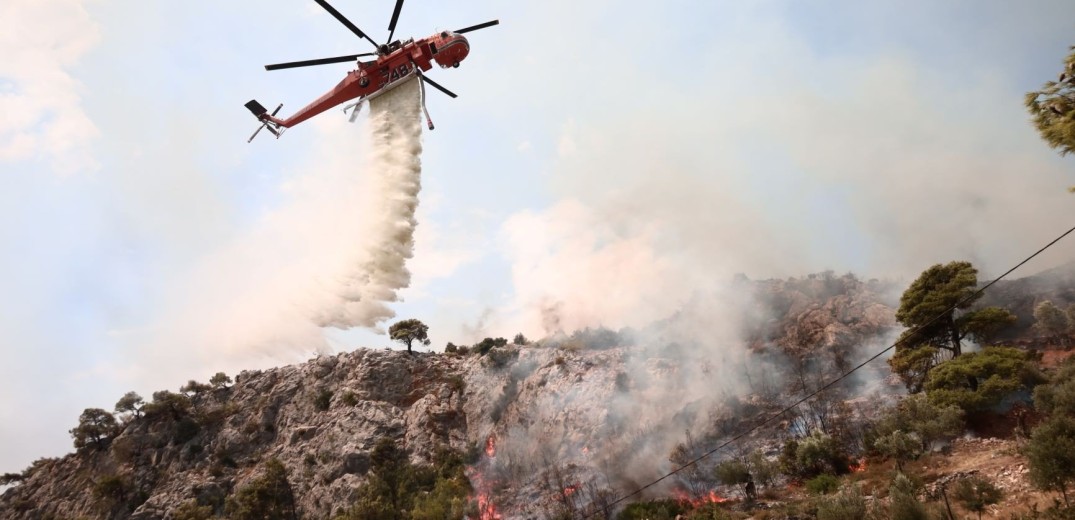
774 416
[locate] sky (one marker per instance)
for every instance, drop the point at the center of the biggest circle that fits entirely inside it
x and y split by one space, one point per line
605 162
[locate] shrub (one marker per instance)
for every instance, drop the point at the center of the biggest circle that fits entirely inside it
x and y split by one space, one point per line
450 348
185 430
916 415
190 510
519 339
395 488
500 358
323 400
654 510
1058 397
487 344
814 455
976 493
848 504
981 380
268 497
349 398
111 488
903 500
1051 455
823 484
900 446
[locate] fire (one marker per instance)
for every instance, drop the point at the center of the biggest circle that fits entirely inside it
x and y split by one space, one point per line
858 467
570 490
585 450
709 498
483 486
486 509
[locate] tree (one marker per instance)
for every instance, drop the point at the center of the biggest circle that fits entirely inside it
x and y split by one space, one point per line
130 403
8 479
1058 397
409 331
95 426
734 473
220 380
981 380
268 497
1053 109
976 493
1051 455
1049 319
484 346
917 416
520 339
194 388
900 446
946 291
164 402
935 310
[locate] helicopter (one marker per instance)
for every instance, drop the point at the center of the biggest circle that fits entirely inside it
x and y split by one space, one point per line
395 62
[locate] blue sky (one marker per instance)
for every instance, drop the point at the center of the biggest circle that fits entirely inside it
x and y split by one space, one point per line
611 160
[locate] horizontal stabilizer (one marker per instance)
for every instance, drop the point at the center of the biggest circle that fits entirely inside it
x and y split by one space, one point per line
256 108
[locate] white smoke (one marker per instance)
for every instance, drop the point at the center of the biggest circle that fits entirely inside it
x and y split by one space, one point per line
396 131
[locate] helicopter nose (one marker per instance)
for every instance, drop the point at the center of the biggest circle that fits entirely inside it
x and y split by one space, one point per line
453 50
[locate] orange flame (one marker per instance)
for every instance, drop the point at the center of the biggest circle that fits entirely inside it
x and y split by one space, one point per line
490 446
486 509
858 467
570 490
709 498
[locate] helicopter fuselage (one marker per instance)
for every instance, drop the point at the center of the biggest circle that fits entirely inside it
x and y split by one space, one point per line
445 49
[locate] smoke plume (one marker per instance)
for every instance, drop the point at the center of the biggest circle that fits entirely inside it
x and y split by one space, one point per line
396 132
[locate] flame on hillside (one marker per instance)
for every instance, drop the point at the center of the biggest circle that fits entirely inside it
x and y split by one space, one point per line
482 485
709 498
858 467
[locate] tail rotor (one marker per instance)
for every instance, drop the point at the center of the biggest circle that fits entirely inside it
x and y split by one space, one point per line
262 114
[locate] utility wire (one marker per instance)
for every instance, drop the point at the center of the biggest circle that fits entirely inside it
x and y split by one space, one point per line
774 416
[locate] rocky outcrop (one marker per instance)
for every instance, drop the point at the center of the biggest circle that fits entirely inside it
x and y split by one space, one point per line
320 419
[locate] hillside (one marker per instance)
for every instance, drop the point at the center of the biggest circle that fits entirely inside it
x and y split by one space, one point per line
552 427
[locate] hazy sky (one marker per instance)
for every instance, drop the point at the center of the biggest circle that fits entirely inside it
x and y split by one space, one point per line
606 159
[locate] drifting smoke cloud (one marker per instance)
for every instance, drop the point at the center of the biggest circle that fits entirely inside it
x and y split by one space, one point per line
397 147
333 255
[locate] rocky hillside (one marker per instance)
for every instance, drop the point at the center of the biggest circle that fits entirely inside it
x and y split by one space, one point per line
571 420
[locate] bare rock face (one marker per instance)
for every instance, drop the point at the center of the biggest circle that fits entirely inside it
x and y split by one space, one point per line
823 312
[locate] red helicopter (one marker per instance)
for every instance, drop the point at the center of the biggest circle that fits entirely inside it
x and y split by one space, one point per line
396 61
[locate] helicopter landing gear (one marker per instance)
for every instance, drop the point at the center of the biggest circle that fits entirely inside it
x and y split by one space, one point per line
363 82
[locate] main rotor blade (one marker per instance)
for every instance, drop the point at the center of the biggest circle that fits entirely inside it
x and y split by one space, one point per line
322 61
395 18
438 87
343 19
479 26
